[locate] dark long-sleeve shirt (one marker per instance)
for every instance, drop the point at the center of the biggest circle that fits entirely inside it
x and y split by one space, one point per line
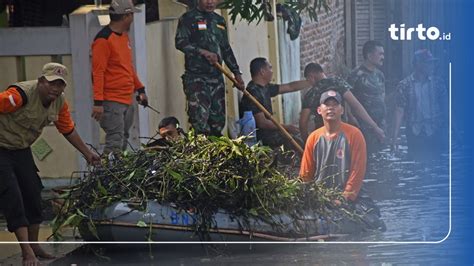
204 30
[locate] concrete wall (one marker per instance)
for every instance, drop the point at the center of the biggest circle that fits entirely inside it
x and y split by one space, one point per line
70 46
9 72
248 41
290 71
165 65
170 9
158 64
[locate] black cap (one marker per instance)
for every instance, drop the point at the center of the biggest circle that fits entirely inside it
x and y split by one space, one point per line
423 56
330 94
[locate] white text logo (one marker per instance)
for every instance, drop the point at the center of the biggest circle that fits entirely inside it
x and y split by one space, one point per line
431 33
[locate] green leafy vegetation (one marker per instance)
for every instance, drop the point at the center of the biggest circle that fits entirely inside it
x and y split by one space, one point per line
255 10
198 173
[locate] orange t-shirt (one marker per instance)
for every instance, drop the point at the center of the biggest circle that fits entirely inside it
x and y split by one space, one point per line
339 162
113 75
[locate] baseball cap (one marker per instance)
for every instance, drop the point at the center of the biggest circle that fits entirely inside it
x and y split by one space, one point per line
54 71
120 7
423 55
330 94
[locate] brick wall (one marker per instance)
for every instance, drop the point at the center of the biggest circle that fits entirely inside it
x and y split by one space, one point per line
323 41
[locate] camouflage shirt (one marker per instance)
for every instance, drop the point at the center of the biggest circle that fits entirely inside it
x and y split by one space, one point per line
204 30
312 96
425 104
369 88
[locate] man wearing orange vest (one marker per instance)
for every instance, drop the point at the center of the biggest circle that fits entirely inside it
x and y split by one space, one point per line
25 109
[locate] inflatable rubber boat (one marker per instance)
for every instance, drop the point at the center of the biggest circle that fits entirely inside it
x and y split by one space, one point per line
123 221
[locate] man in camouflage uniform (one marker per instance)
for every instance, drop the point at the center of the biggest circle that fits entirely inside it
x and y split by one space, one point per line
202 37
368 84
314 73
422 99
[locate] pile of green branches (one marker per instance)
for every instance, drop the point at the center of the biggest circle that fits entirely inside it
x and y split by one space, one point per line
198 173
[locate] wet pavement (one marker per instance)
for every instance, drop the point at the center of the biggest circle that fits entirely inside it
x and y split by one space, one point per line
414 202
10 252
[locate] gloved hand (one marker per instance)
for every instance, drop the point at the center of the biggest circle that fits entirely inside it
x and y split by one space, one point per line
142 99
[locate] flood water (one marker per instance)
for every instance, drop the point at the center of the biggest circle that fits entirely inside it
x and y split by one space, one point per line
414 202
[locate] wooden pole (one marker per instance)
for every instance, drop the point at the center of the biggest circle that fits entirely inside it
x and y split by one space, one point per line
262 108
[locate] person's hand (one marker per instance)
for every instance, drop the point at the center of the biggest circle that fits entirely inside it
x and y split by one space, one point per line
379 133
241 84
143 99
337 202
210 56
341 201
292 129
97 112
92 158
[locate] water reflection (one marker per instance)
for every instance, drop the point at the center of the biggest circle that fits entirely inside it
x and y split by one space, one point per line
414 201
413 197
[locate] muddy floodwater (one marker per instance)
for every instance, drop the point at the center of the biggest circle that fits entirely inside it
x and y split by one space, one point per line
414 202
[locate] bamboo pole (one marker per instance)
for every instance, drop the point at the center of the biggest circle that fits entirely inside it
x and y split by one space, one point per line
262 108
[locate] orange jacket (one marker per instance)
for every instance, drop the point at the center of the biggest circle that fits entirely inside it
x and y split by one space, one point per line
13 99
113 75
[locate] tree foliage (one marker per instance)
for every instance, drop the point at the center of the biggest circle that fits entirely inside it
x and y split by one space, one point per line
255 10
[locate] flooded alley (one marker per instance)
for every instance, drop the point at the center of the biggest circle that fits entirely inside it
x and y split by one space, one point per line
414 202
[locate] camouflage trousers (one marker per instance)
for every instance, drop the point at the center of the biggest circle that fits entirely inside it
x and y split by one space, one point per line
205 97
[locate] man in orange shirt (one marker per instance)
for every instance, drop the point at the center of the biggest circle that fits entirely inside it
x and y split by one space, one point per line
114 78
335 153
25 109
